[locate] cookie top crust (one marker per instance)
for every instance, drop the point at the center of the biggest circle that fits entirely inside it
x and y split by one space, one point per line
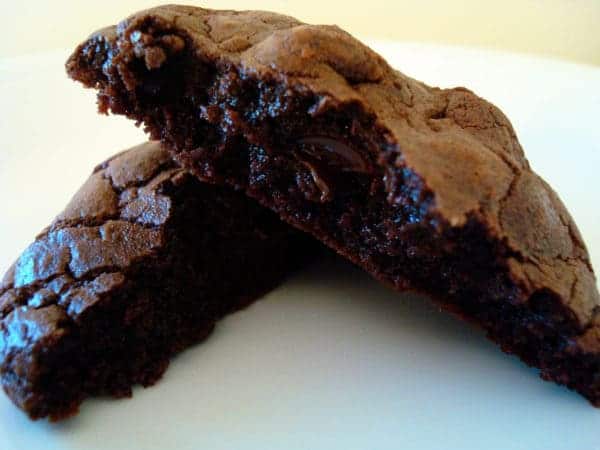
116 219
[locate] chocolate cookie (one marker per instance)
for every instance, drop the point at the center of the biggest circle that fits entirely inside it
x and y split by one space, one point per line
425 188
140 265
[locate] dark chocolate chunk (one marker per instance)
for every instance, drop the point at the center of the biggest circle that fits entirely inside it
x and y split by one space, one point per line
141 264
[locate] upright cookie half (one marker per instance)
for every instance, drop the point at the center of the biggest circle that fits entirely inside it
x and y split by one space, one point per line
426 189
141 264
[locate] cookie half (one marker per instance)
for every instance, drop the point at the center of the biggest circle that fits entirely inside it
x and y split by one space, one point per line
426 189
140 265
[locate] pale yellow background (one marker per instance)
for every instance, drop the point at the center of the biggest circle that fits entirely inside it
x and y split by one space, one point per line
568 29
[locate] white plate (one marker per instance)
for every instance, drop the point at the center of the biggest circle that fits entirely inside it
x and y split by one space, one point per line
330 360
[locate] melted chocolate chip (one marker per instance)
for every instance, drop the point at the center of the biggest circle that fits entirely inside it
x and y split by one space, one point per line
318 177
324 157
349 159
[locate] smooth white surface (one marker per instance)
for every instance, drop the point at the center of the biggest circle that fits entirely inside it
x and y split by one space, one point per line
330 360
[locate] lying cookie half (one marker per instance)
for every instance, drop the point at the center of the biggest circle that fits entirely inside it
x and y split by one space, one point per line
425 188
140 265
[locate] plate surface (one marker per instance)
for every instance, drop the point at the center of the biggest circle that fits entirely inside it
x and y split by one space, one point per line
329 360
